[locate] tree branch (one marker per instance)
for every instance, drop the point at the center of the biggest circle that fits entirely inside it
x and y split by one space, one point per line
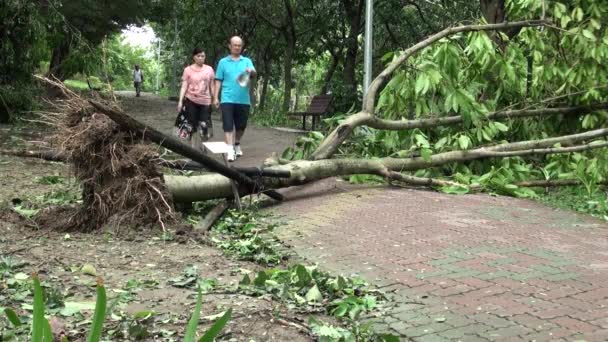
331 143
379 123
368 101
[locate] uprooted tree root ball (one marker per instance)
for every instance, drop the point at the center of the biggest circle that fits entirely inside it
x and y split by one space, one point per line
119 173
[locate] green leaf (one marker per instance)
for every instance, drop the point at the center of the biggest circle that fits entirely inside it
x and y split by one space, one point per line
304 278
455 189
12 317
144 314
589 35
340 310
38 319
421 140
314 295
27 213
193 322
422 84
100 313
260 280
245 281
389 338
464 141
501 127
216 328
89 269
426 154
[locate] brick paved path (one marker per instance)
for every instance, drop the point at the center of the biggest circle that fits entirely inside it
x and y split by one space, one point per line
468 268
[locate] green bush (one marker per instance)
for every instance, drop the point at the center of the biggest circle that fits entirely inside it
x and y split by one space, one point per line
16 99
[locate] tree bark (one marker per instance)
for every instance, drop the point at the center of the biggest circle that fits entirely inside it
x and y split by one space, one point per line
289 34
264 93
59 54
212 217
335 60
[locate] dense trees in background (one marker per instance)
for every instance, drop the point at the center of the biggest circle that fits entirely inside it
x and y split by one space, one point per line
58 37
283 36
65 38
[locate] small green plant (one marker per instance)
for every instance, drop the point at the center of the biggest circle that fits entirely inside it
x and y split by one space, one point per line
215 329
41 329
50 180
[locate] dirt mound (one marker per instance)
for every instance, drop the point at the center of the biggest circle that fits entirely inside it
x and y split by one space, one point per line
119 174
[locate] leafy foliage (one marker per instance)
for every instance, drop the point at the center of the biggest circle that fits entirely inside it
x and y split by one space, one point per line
307 287
246 237
478 73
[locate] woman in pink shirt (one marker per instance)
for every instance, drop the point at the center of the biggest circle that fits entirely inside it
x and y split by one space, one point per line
195 98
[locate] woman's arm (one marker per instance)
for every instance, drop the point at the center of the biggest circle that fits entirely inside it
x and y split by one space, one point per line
182 93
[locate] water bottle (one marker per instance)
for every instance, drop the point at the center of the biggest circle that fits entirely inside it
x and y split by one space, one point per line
243 79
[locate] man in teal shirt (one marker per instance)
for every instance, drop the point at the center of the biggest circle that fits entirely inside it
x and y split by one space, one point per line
234 95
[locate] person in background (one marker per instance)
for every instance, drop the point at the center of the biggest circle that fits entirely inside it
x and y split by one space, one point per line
232 85
138 79
195 98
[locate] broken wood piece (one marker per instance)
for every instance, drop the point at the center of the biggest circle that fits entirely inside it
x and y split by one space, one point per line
212 216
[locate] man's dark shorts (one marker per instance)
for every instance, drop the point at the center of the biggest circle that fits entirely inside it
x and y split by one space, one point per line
234 116
196 113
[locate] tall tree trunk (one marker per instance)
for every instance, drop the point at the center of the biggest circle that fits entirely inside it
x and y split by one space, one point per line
287 65
58 56
335 60
5 112
354 10
264 94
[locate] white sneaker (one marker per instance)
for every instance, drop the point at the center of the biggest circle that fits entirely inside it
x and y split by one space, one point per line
231 155
238 151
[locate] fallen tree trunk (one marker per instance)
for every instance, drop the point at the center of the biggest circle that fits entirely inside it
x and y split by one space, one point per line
180 148
198 188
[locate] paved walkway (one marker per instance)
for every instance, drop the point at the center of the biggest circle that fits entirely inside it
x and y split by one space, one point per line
258 143
460 268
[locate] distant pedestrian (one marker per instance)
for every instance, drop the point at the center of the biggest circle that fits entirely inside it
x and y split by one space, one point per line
138 79
195 99
232 82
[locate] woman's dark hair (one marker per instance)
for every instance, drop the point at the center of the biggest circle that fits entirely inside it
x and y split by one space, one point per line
196 51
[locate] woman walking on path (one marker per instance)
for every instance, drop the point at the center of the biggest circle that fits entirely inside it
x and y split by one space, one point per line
195 99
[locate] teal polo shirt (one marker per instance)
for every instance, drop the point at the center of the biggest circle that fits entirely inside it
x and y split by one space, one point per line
227 71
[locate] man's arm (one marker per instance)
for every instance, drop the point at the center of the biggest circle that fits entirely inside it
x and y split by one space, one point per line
251 69
216 95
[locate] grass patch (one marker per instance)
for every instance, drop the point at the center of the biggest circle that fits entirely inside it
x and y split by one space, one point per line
578 199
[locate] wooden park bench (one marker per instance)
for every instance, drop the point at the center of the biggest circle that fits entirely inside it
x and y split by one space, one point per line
319 106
